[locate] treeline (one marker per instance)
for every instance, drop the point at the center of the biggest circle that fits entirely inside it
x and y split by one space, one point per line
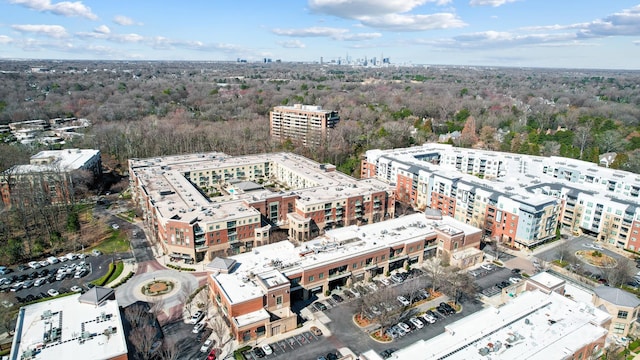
142 109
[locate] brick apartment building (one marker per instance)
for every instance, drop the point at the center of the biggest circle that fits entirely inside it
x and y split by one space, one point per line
200 206
48 176
254 290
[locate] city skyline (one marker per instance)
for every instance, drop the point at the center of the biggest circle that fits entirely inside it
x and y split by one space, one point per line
517 33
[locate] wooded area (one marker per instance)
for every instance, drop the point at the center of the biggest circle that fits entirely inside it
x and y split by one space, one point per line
146 109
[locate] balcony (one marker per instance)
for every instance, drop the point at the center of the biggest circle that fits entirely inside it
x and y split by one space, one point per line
339 274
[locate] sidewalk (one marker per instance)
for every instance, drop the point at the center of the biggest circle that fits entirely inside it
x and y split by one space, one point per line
130 265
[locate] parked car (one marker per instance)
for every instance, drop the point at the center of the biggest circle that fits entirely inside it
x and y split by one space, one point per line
428 318
62 258
4 270
337 298
212 355
404 327
320 306
27 284
80 273
403 300
419 324
22 267
385 281
514 280
355 292
372 286
315 331
198 327
258 352
400 331
71 256
34 264
195 318
487 267
17 286
267 349
96 252
207 344
40 281
76 288
44 263
53 292
396 278
387 353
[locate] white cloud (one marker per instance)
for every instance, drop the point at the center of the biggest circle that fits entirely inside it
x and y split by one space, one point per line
501 39
625 23
353 9
130 38
102 29
292 44
311 32
4 39
124 20
54 31
494 3
391 15
637 42
333 33
400 22
64 8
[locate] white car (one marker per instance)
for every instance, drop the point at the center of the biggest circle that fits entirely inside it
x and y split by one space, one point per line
487 267
355 292
207 344
404 327
198 327
403 300
514 280
195 318
372 286
267 349
429 318
71 256
40 281
76 288
52 260
34 264
53 292
385 281
417 322
62 258
115 226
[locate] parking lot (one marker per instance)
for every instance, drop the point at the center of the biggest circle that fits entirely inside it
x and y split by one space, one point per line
302 346
492 279
46 280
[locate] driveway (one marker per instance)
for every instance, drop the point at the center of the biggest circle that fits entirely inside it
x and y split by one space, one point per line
575 244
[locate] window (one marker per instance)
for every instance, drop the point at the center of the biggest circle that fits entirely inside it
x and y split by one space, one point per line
618 328
279 300
622 314
311 278
354 266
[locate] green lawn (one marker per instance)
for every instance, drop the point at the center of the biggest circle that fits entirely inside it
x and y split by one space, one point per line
116 243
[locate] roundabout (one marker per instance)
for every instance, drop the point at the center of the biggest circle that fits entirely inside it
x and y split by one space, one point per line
157 287
596 258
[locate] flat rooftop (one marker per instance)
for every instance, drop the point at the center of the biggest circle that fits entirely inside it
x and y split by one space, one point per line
94 332
57 160
337 244
531 326
174 196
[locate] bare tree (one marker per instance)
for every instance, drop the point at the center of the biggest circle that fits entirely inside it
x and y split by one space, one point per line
620 273
459 284
220 330
143 338
136 314
435 270
169 350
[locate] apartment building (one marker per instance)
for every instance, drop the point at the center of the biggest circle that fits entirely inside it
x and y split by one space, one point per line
48 176
85 326
254 290
517 199
621 305
200 206
307 124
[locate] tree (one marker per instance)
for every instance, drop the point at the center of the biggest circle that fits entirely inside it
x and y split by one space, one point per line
459 285
619 274
468 135
143 338
582 138
435 270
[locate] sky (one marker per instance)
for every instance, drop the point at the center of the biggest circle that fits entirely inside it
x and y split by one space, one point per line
601 34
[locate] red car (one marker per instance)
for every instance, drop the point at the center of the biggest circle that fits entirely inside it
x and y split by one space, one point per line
212 355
